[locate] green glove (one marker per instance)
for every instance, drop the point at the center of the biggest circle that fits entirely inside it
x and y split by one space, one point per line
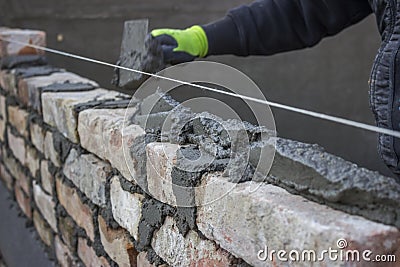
181 45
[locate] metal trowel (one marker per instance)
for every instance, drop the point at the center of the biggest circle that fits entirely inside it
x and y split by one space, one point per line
139 52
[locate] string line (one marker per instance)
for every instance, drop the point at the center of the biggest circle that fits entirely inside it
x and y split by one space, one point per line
310 113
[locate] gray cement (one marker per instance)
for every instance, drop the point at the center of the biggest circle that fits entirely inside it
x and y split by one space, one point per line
311 172
36 71
67 87
11 62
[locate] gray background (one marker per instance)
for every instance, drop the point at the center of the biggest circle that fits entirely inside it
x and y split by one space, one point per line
331 77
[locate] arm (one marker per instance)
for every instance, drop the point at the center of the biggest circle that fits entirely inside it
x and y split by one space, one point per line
271 26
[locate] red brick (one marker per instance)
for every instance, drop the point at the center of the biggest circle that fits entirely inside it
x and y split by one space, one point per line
23 201
32 160
63 254
24 36
23 181
80 212
46 205
17 146
88 255
6 177
117 244
18 118
142 261
49 150
37 136
43 229
67 231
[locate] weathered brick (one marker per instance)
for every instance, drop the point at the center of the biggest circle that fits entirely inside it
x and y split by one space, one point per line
23 182
24 36
126 207
47 178
80 212
8 81
6 177
49 150
32 160
23 201
189 250
3 106
63 254
117 244
67 231
89 174
161 157
18 118
43 229
2 129
3 116
142 261
88 255
253 215
29 89
111 129
17 146
65 119
15 170
37 136
46 205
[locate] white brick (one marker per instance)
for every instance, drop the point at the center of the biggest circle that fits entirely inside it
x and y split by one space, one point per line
32 160
161 157
17 146
24 36
47 177
45 204
110 140
29 88
37 136
49 151
3 116
254 215
65 119
126 207
189 250
19 119
89 174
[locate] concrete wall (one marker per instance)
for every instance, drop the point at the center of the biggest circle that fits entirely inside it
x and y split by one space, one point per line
330 78
103 187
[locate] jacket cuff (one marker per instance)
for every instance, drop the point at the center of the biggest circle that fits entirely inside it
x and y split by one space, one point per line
223 37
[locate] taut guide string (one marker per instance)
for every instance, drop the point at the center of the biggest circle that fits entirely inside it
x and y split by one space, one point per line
244 97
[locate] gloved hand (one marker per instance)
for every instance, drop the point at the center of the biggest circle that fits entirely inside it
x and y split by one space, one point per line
181 45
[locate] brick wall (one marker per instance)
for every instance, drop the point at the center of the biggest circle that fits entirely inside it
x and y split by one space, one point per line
87 177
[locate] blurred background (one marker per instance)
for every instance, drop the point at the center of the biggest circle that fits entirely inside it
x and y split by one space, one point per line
331 78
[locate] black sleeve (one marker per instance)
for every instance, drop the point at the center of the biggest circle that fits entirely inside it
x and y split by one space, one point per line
271 26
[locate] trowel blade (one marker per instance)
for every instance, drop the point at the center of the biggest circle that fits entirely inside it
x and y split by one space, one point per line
136 54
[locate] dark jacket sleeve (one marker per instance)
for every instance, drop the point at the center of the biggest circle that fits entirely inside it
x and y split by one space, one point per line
271 26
